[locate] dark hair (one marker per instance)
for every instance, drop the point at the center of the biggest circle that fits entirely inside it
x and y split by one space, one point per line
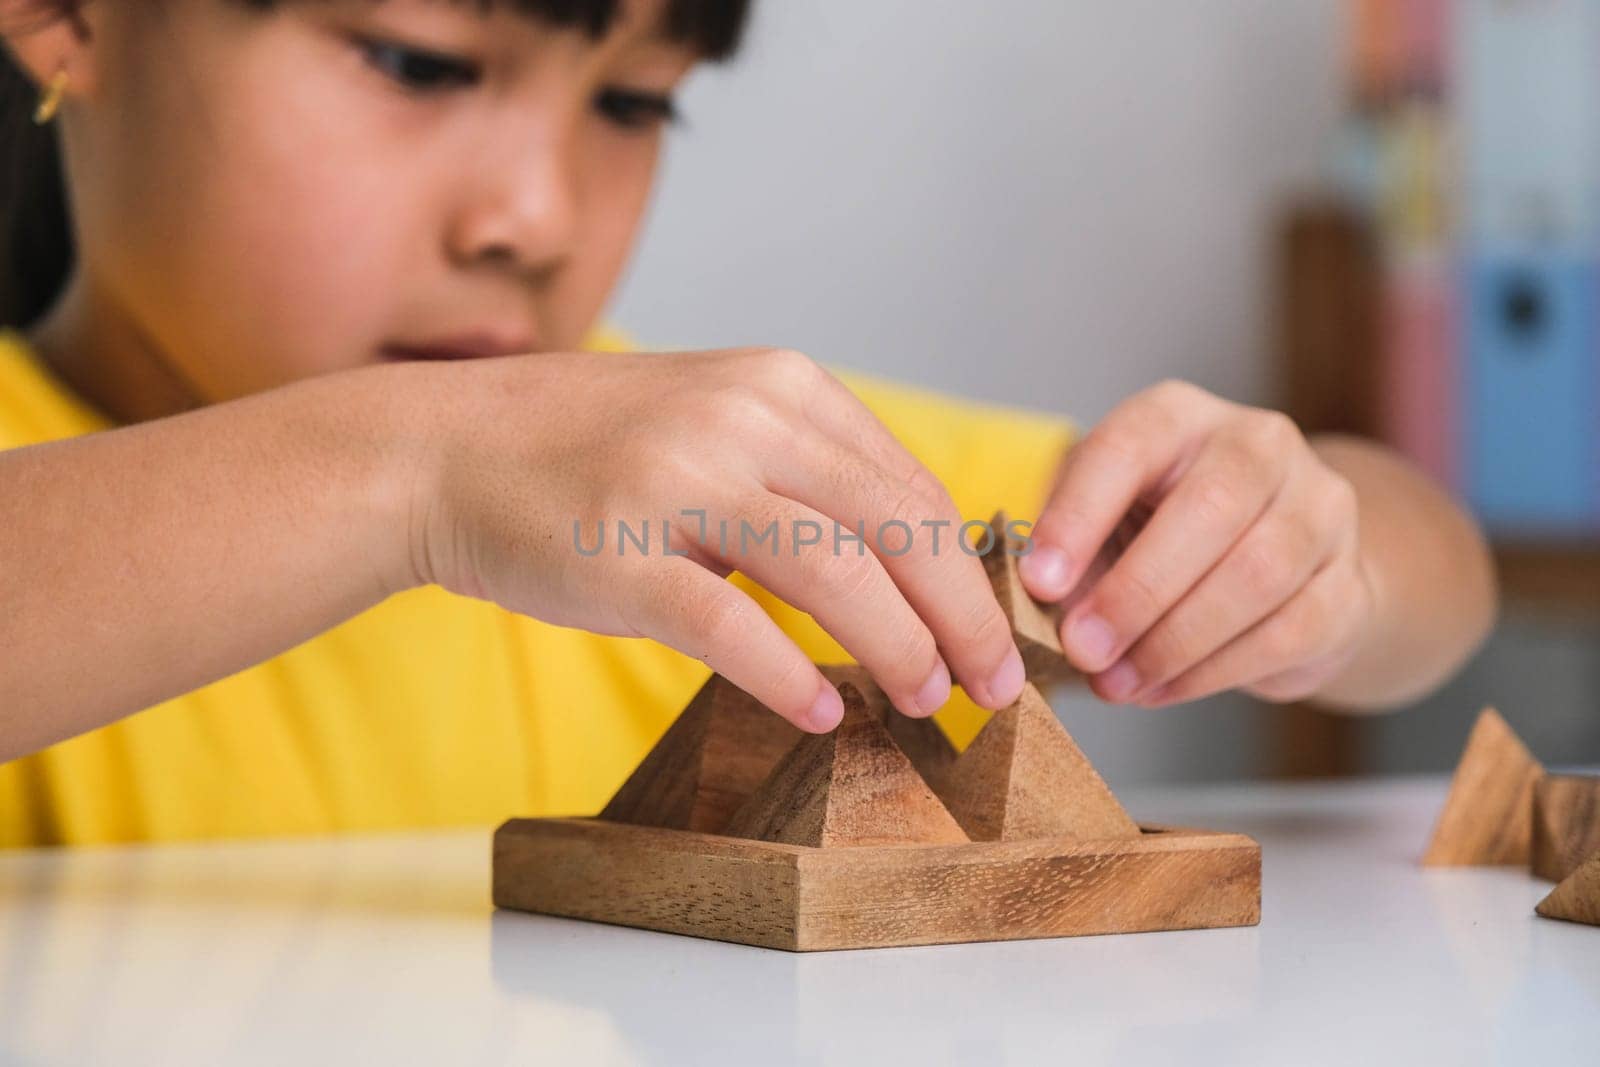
36 248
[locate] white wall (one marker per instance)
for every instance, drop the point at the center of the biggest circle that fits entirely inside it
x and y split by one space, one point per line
1049 202
1044 201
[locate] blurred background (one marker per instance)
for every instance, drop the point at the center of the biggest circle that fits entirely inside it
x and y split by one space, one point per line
1380 215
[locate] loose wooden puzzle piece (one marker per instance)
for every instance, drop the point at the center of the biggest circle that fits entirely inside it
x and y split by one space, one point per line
1036 626
1503 808
1023 777
839 840
1488 815
1566 823
851 786
1577 897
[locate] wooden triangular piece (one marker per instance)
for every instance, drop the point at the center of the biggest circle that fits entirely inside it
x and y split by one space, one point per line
1566 823
1577 897
1036 626
922 740
852 786
707 763
1488 816
1023 777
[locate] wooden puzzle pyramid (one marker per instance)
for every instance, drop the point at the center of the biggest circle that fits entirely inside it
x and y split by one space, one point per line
738 826
1504 809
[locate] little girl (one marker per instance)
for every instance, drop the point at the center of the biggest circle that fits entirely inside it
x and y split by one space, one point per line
310 437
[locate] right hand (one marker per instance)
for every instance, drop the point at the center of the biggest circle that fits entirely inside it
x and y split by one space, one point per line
514 451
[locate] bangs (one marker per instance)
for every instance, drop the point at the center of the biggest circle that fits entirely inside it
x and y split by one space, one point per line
712 28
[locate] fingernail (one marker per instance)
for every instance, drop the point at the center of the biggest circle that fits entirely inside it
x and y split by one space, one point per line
935 690
827 710
1005 685
1045 569
1121 681
1092 639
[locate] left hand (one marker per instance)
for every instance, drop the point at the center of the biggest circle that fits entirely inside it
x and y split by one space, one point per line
1205 546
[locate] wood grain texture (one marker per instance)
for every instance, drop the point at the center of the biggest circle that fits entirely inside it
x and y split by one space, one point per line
849 787
1488 815
1036 626
1577 897
922 740
1024 777
1566 823
707 763
806 899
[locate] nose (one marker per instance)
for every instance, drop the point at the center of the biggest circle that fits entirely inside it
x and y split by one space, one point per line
520 209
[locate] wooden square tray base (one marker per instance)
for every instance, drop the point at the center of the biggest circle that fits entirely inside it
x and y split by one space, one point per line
871 896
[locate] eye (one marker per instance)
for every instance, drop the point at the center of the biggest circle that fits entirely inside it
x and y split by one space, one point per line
418 68
634 110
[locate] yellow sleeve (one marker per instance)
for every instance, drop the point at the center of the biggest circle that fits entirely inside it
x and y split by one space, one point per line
988 456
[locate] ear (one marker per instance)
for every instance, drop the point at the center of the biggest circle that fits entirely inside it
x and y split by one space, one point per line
46 36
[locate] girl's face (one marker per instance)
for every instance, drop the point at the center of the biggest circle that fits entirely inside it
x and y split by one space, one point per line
262 196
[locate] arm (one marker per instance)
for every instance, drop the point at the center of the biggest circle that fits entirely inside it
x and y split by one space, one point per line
142 562
1201 545
1432 575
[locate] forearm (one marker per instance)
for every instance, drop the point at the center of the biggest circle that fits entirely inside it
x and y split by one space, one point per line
1432 577
143 562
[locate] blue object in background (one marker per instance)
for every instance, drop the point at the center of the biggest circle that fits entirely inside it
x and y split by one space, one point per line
1531 389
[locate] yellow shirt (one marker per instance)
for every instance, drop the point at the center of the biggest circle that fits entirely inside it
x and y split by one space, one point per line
432 709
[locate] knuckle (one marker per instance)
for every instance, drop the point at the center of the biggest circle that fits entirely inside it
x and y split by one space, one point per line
1267 561
988 630
1131 593
929 493
913 649
792 679
1272 434
910 503
1113 444
844 577
1161 652
788 368
722 619
1217 498
741 409
1342 504
1172 392
1285 639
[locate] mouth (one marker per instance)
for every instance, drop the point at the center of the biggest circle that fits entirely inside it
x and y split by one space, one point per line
475 346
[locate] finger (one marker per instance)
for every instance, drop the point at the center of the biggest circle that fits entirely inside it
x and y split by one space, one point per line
1233 480
1301 533
830 406
1142 442
1302 682
686 607
912 527
1315 623
799 555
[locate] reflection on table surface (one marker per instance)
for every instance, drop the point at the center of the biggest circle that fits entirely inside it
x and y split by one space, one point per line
386 949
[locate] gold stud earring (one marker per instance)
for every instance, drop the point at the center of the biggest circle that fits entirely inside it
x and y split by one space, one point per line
50 98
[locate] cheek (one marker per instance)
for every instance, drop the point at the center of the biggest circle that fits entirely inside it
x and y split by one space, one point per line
257 242
617 184
307 252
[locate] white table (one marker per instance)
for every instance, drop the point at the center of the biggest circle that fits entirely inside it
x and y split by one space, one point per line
385 950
